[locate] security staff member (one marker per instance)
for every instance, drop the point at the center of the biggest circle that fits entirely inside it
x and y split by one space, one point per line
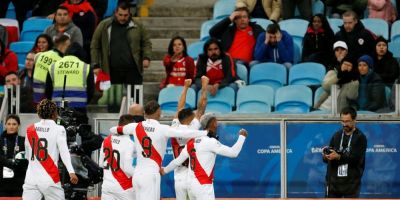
79 84
43 61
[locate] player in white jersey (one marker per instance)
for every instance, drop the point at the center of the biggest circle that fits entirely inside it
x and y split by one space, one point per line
116 157
151 142
44 142
185 118
202 153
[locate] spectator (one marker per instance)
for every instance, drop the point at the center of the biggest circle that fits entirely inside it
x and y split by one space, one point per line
43 43
12 172
217 65
8 62
64 25
99 6
46 8
386 66
239 38
318 41
289 7
130 51
371 93
359 40
341 6
21 9
137 112
178 65
382 9
346 77
268 9
84 17
26 97
340 51
25 76
274 45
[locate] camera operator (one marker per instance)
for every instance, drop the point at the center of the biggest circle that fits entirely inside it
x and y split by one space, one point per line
346 158
45 142
12 171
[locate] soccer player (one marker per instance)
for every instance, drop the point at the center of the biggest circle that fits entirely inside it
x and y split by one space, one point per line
116 156
44 142
185 118
202 153
151 142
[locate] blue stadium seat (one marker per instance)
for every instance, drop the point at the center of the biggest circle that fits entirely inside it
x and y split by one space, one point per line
255 99
169 97
223 8
222 102
318 7
271 74
293 99
21 49
241 71
205 29
394 47
318 94
297 45
395 31
335 24
295 27
195 49
307 73
377 26
33 27
11 11
111 6
262 22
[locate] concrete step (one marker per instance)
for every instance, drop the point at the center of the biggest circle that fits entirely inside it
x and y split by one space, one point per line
150 91
181 10
173 21
154 76
167 32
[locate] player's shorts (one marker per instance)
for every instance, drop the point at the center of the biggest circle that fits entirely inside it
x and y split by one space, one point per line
109 194
147 186
201 192
37 191
181 189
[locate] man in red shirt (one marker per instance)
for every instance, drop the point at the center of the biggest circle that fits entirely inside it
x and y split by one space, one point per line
218 66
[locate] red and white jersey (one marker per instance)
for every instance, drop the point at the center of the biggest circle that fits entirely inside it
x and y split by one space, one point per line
116 158
44 142
202 153
179 143
151 139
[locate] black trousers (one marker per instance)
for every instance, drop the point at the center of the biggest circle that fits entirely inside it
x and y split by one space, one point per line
21 8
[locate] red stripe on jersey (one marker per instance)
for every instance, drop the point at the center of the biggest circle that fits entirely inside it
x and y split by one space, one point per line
149 148
48 163
177 149
120 130
118 174
195 165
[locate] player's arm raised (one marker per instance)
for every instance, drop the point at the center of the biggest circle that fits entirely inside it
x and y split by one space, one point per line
182 133
233 151
201 106
176 162
182 98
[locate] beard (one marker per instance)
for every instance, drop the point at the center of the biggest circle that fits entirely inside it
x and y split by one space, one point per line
215 57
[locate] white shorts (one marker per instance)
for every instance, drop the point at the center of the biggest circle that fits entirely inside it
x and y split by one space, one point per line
201 192
36 192
181 189
147 186
128 194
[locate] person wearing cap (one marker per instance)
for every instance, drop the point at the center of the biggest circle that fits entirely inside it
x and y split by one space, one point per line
371 93
202 152
386 66
340 51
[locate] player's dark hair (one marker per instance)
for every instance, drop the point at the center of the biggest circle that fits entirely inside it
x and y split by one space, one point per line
349 110
125 119
184 114
209 122
46 109
14 117
151 107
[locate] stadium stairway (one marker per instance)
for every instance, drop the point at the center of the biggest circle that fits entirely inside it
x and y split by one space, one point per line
169 18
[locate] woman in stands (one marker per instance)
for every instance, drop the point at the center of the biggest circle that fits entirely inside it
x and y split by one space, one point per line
386 66
371 93
178 65
12 172
318 41
42 43
8 61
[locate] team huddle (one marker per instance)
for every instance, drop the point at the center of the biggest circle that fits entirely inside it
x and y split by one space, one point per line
194 151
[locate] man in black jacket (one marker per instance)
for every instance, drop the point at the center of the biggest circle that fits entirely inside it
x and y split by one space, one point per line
346 158
238 39
359 40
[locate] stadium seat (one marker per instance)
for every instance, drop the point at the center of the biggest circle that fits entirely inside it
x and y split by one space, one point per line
33 27
195 49
377 26
394 47
318 7
271 74
307 73
205 29
222 102
255 99
169 97
335 24
11 11
111 6
223 8
295 27
318 94
12 29
293 99
388 94
395 34
297 45
21 49
262 22
241 71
